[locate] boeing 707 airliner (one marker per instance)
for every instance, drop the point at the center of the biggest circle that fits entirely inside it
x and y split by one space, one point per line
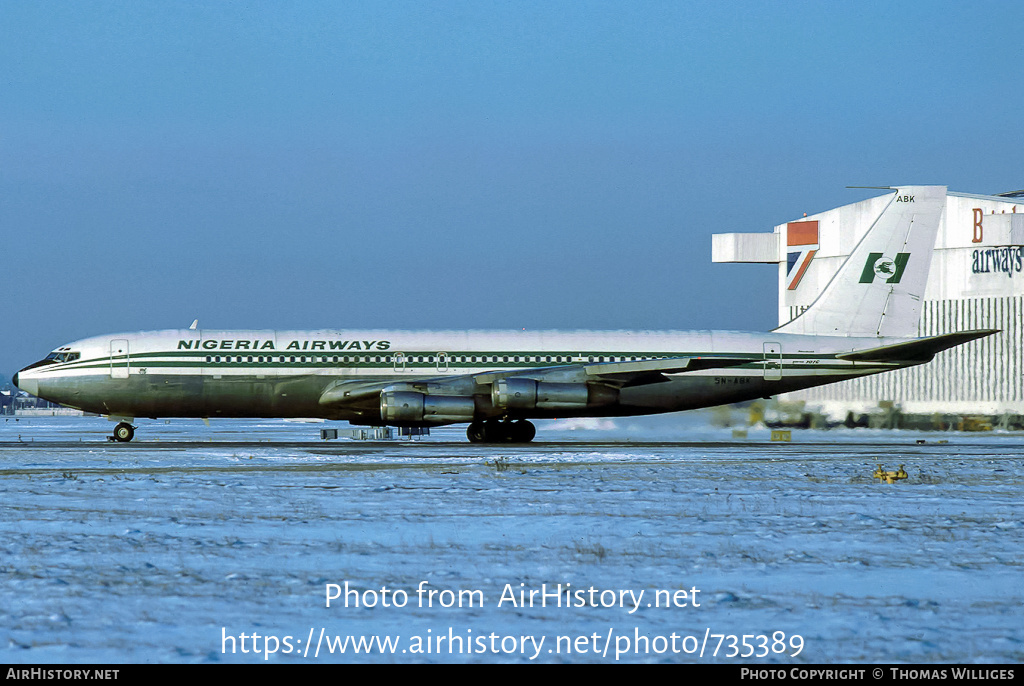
864 322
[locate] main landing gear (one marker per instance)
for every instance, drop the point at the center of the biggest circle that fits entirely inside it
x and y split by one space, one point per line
123 433
493 431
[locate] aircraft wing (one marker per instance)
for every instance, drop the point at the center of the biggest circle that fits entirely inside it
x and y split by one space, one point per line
613 374
653 371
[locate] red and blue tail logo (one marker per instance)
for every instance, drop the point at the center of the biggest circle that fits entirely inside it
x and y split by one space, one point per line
801 244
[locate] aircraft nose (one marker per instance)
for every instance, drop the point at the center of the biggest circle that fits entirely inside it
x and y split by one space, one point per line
30 386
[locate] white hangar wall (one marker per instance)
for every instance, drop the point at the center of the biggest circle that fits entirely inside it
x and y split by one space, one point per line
976 281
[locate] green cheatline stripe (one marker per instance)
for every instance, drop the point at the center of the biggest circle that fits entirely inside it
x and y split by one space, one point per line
212 367
196 359
364 360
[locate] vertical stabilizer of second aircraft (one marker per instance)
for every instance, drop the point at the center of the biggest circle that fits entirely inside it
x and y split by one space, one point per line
878 290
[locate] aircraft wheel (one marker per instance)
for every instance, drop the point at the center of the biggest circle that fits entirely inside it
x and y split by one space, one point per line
523 431
124 432
477 432
496 432
492 431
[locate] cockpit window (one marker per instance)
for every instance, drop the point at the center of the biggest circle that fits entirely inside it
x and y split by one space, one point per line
62 357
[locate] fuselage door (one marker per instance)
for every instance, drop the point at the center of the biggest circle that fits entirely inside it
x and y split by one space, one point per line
772 361
399 361
120 361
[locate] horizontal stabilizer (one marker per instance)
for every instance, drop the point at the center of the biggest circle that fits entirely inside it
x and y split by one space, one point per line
921 349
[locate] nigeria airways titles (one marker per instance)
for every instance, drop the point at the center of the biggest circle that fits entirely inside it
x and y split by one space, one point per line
257 344
864 322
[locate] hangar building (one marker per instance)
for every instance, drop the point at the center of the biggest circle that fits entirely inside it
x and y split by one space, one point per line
976 281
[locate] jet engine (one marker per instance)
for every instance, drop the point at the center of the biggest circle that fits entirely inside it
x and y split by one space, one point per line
527 394
409 407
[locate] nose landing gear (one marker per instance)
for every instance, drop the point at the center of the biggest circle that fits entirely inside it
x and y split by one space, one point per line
123 433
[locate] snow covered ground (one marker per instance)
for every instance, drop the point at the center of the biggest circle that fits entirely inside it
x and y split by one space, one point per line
222 543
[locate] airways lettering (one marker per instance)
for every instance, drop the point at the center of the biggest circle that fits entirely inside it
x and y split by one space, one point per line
231 344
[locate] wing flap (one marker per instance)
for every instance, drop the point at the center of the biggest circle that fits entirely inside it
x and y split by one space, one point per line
645 372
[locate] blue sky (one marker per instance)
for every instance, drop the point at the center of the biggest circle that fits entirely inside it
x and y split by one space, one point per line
463 164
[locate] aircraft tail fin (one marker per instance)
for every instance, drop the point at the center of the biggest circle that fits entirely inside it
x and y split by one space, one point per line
878 290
